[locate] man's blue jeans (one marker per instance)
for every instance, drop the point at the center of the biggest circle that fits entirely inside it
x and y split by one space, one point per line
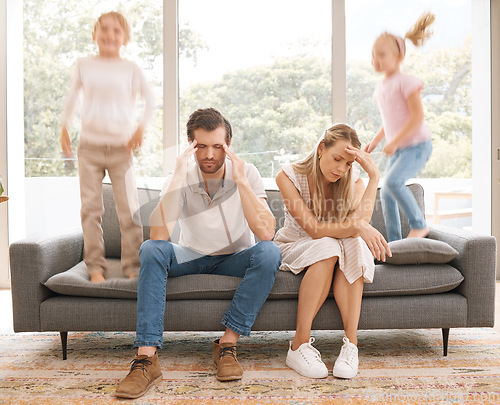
257 265
404 164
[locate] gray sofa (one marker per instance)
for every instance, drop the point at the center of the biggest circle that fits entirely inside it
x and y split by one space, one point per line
51 291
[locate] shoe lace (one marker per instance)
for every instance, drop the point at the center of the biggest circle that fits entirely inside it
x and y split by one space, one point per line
347 353
311 353
140 364
230 350
350 356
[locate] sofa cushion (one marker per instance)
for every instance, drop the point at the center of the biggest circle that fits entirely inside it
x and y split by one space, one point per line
420 250
76 281
413 279
389 280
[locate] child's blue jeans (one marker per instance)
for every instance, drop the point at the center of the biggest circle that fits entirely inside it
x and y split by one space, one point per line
404 164
160 260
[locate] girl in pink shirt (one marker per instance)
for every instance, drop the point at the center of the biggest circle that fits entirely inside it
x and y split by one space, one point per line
407 137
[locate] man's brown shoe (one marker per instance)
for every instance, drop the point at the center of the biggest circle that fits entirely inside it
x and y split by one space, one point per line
225 360
144 372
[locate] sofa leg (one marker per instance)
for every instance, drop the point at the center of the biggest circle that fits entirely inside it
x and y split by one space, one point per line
64 344
446 334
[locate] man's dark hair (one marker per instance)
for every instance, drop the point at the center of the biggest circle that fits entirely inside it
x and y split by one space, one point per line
209 119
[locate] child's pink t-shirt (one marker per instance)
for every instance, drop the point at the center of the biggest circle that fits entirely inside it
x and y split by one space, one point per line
391 95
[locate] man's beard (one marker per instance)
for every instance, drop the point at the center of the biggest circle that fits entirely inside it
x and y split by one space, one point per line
213 168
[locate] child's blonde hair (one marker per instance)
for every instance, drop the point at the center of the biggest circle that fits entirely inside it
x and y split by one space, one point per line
341 205
417 34
121 19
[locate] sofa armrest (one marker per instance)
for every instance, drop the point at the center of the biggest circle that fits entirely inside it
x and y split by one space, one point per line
476 261
32 262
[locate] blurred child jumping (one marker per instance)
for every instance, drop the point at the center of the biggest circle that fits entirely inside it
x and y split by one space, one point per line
110 85
407 137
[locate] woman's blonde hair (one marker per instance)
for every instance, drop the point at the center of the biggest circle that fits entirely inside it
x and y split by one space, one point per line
341 205
122 20
417 34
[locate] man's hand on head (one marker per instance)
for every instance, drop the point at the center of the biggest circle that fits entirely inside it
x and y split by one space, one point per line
239 174
181 162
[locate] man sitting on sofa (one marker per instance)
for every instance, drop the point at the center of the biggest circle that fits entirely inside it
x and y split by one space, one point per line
219 202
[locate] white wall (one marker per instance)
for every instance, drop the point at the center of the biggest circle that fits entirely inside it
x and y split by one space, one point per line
12 214
495 124
4 230
481 115
52 206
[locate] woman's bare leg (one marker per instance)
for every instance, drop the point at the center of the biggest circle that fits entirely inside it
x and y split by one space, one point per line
313 292
348 298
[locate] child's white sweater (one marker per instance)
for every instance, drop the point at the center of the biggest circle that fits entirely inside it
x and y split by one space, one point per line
110 88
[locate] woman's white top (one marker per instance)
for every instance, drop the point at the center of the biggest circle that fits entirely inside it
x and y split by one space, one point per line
299 250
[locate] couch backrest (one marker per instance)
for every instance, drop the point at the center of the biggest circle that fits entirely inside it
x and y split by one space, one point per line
148 199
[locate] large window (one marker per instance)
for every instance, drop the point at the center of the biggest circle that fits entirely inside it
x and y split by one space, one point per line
266 65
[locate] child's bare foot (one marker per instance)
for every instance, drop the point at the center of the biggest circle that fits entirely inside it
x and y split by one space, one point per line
97 278
133 275
419 233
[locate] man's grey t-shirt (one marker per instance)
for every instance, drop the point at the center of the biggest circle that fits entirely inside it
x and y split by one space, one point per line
215 226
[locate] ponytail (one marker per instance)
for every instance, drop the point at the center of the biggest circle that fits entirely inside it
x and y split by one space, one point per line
419 33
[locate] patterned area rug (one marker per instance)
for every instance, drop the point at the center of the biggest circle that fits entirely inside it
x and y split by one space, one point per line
403 366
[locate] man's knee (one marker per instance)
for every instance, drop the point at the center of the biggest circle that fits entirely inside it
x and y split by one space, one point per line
155 248
271 254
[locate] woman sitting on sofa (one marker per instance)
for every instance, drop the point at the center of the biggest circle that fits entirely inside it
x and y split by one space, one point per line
327 234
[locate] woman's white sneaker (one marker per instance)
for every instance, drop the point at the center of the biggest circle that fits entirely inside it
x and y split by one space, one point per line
346 365
306 361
